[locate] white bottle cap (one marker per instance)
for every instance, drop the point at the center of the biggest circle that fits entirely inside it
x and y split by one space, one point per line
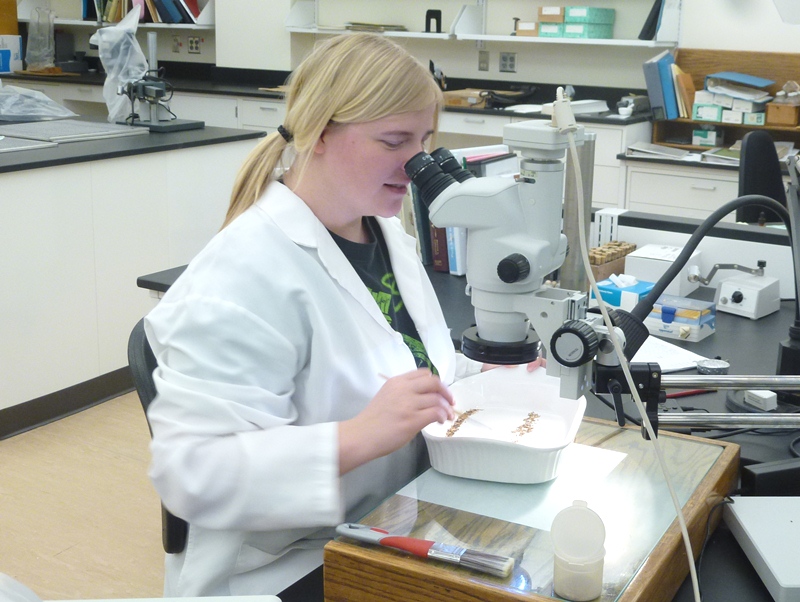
578 535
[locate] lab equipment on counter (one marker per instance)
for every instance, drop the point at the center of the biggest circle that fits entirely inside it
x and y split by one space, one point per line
753 295
682 318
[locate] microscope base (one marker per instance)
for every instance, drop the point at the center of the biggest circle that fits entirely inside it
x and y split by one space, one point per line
173 125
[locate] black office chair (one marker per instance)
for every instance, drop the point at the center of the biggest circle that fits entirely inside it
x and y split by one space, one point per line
142 362
760 173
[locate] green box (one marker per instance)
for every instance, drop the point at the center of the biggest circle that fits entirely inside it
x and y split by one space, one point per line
755 118
589 14
588 30
551 30
703 112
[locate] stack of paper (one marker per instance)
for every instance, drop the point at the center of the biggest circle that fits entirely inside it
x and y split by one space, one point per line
732 154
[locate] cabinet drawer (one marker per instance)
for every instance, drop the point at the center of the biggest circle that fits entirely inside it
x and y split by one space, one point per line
683 195
261 114
469 123
213 110
82 93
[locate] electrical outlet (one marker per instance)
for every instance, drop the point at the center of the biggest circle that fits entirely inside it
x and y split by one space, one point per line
483 60
508 62
194 45
176 44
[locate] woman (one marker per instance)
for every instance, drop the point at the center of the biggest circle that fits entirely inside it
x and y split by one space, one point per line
303 349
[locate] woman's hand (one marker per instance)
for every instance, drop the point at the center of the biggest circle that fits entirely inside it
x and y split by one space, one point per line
403 406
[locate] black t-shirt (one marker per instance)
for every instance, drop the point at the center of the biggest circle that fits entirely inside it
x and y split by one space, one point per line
371 262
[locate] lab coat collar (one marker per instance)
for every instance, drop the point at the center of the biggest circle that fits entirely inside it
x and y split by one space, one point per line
291 214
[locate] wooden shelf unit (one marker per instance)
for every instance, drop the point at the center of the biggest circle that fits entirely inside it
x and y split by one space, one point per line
776 66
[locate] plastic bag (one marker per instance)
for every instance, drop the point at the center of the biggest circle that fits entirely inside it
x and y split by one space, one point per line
13 591
22 104
40 52
123 61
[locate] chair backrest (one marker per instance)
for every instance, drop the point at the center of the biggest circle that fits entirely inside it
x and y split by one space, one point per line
760 173
142 363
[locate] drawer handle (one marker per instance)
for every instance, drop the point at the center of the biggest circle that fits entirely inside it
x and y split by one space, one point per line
703 187
84 90
474 120
263 108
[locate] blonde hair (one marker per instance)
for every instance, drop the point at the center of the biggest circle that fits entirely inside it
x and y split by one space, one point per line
352 78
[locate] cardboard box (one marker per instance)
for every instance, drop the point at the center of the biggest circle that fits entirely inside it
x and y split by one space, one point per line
589 14
755 118
588 30
649 263
748 106
723 100
527 29
551 14
469 97
551 30
10 54
702 112
704 97
782 114
729 116
708 138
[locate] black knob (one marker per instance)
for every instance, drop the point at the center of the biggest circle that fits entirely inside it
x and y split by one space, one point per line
737 297
574 344
513 268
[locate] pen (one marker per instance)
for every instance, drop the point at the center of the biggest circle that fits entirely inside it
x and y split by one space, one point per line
689 393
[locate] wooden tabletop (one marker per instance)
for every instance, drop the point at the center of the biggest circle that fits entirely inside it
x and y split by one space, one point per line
645 554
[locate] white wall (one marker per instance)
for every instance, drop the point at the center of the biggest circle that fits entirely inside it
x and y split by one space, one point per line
737 25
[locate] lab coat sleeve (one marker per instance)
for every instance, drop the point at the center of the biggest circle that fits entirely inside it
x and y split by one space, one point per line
225 451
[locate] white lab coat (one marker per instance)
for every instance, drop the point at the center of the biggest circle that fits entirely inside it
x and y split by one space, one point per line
266 342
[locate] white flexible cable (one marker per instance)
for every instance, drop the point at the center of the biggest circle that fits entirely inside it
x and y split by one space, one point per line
626 369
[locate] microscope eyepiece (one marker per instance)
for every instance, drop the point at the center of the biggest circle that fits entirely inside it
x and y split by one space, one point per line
450 164
427 176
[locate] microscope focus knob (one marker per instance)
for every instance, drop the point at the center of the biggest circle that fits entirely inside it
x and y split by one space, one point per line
513 268
574 344
737 297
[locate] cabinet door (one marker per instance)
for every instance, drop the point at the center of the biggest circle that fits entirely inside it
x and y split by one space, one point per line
250 34
217 111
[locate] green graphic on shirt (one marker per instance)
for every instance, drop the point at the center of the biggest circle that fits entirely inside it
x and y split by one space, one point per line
419 353
392 307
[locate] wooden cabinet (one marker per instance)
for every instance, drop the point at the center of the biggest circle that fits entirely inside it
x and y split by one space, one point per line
778 67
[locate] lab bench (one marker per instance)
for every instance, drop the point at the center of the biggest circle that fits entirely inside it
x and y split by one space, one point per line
749 346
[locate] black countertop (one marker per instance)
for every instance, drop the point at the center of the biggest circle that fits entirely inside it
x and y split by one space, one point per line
92 150
208 79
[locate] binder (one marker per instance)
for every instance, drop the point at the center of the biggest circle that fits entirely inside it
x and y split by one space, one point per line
652 80
167 11
667 85
192 9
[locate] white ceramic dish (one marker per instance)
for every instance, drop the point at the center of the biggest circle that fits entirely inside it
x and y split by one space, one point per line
487 445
